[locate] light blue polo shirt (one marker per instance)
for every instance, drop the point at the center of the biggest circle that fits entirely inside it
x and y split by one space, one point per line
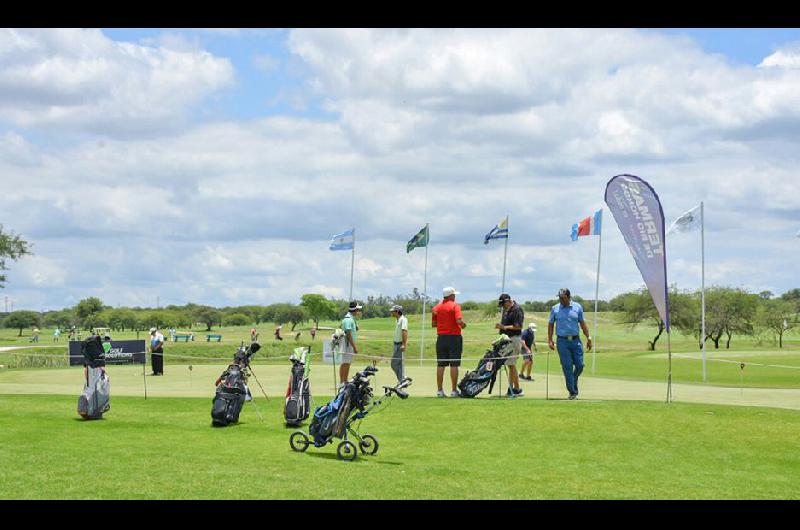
566 318
349 324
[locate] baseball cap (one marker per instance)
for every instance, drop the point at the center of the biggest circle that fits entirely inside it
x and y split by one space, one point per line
565 291
153 329
447 291
503 298
532 325
397 308
353 306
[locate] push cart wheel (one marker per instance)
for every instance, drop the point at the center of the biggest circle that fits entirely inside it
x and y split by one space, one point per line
299 441
347 450
368 444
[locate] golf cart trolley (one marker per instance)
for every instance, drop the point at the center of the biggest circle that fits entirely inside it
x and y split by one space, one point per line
338 418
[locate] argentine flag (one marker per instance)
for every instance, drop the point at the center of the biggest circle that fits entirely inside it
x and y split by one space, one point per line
498 232
590 226
343 241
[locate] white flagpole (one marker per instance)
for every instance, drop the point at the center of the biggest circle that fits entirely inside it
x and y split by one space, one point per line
596 296
505 254
502 290
703 285
352 263
424 291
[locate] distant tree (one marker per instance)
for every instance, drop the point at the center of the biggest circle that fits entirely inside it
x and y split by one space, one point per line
729 312
237 319
318 307
88 306
289 313
121 319
63 319
793 296
207 315
766 295
776 317
12 247
638 307
21 319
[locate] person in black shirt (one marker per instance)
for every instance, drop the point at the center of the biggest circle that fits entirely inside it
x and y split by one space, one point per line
511 325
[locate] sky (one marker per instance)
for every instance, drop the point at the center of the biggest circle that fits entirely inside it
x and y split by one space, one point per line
214 165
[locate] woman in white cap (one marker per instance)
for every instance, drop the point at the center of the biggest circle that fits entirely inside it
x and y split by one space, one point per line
528 347
157 351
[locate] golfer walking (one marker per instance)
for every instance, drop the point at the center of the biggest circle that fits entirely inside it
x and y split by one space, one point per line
446 318
567 315
400 341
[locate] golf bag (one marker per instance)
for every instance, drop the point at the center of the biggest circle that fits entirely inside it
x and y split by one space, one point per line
330 420
230 397
232 390
95 399
485 374
298 393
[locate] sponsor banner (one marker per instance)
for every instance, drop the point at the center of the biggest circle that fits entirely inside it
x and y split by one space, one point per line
638 213
121 352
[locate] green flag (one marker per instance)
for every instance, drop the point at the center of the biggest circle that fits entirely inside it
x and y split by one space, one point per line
419 240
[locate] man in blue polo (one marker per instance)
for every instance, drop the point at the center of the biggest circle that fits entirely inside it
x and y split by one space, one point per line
567 315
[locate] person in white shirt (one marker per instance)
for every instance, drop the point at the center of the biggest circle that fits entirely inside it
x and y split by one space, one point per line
157 351
400 341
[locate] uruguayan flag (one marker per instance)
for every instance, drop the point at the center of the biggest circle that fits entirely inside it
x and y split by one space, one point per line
686 222
498 232
343 241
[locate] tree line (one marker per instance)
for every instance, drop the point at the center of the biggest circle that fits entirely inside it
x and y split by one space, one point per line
730 312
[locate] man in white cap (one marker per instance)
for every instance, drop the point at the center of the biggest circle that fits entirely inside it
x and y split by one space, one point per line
528 347
400 341
446 318
350 328
157 351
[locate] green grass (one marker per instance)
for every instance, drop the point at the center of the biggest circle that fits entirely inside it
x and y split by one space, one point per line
429 449
622 351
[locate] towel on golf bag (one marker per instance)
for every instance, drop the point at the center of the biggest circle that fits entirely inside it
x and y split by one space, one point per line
94 400
229 397
485 374
298 396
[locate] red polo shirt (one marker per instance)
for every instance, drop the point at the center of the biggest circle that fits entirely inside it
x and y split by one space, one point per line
444 316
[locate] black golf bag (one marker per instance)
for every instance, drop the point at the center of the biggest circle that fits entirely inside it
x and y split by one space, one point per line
298 392
95 399
330 420
485 374
230 397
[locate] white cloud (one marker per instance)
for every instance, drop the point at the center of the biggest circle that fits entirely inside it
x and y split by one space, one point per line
80 80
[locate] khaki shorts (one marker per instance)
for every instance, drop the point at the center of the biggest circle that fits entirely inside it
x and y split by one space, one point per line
516 343
347 352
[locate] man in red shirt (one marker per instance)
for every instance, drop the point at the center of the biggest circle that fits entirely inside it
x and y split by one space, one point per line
446 318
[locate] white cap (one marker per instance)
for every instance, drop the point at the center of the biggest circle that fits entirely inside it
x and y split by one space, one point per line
532 325
447 291
152 330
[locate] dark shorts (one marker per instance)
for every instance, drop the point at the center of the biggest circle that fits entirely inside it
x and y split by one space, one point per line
448 350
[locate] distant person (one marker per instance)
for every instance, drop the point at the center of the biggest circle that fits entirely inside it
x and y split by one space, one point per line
510 325
277 333
567 315
313 332
400 341
447 319
172 334
56 334
35 336
157 351
253 335
350 328
528 347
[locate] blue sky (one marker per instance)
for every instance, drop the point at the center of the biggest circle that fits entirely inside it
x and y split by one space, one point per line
213 166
